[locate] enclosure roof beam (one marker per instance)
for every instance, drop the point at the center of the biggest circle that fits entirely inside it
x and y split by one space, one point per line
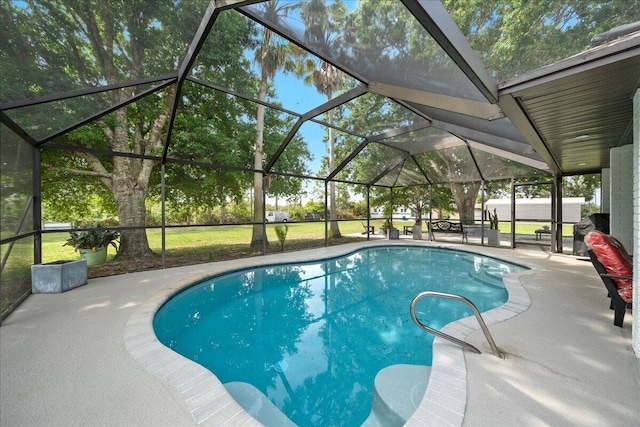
437 21
378 138
521 119
17 129
346 161
481 110
536 164
506 144
266 104
28 102
209 18
257 18
400 131
335 102
388 169
421 170
475 161
104 112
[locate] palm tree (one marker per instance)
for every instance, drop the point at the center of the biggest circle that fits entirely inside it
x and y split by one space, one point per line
321 22
273 54
327 80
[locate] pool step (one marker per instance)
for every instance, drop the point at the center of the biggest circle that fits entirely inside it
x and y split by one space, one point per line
486 279
257 404
398 391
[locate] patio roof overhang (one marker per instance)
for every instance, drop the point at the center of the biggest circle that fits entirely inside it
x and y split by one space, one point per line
573 112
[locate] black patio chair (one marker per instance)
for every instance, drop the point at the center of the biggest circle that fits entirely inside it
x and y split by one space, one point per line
618 304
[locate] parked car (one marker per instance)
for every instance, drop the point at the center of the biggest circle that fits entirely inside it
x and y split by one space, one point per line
312 217
277 216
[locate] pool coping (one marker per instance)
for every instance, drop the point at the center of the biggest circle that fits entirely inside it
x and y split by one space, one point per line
209 402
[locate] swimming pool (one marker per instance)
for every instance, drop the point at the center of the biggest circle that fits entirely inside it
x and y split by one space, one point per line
311 337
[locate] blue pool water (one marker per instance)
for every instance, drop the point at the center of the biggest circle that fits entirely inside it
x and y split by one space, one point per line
312 336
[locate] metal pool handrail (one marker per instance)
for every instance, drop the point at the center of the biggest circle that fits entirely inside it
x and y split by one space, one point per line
448 337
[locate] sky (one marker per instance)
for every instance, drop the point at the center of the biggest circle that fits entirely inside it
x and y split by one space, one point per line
296 96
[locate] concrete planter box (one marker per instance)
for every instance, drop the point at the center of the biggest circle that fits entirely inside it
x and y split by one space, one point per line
416 231
394 234
58 276
493 238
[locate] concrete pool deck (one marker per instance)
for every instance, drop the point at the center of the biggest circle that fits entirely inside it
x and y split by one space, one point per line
80 358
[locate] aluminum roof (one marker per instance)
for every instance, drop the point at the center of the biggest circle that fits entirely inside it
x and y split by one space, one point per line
574 111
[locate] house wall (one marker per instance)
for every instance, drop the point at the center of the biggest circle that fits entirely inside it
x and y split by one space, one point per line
621 191
636 221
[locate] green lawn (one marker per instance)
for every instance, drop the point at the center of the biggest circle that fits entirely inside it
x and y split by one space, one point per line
199 240
530 228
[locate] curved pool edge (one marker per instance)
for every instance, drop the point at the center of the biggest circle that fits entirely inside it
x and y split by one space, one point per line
209 402
445 400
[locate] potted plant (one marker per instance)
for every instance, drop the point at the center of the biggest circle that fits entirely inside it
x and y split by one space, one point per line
92 243
386 225
493 234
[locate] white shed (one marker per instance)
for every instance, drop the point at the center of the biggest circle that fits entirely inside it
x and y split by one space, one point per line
536 209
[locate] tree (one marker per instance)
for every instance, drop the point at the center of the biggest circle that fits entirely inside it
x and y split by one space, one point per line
581 186
15 182
273 54
415 198
221 129
91 43
293 160
322 22
518 36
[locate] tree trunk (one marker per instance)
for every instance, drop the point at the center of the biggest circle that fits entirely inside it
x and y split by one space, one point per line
223 215
133 243
333 212
130 197
465 197
257 236
130 186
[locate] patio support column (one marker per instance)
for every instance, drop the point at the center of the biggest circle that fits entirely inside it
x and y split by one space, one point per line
556 214
163 214
37 206
368 211
264 214
482 208
391 205
326 213
513 215
430 211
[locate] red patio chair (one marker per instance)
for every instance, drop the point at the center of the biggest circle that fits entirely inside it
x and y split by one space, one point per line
615 267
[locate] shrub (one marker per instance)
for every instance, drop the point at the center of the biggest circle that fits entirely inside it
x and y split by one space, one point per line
281 232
